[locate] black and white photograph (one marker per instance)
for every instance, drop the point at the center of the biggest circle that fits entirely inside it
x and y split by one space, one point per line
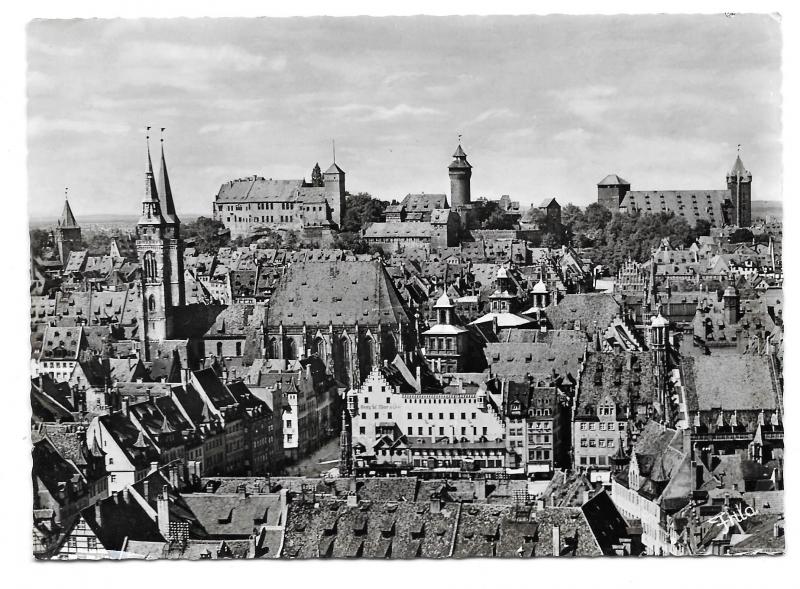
405 287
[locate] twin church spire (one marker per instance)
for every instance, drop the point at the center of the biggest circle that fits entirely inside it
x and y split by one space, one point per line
158 207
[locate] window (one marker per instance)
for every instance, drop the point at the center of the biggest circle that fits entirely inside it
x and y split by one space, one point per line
583 442
452 416
602 426
441 431
610 443
363 416
592 442
362 430
463 416
377 415
409 416
601 443
441 416
389 415
583 426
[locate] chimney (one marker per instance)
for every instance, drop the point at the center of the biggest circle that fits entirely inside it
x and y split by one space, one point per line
162 504
480 489
126 496
146 490
352 499
556 540
153 466
98 517
419 379
126 406
436 503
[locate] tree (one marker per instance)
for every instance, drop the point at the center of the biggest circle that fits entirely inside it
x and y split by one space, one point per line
702 227
208 234
96 242
741 235
316 176
354 243
361 210
40 241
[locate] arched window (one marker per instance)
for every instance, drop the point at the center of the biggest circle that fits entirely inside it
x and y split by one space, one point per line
389 347
151 303
273 348
319 349
290 351
238 348
219 349
344 366
366 357
150 268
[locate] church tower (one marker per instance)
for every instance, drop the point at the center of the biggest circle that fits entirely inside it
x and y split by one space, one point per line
67 233
160 257
740 181
174 245
460 174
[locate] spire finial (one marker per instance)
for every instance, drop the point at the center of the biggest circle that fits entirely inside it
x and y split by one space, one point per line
459 138
739 148
162 135
66 193
333 146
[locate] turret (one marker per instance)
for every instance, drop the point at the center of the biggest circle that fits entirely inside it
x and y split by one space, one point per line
333 178
460 175
730 304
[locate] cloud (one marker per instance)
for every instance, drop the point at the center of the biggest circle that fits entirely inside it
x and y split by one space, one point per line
494 113
234 127
38 126
367 113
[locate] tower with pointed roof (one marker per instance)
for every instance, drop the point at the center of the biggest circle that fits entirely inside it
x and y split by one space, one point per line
740 181
460 175
158 246
333 178
611 190
172 233
67 233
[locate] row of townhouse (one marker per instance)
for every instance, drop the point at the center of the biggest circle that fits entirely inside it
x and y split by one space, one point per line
204 427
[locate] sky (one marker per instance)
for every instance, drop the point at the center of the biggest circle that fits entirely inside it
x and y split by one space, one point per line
546 105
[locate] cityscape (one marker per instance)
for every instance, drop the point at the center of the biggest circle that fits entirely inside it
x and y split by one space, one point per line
297 368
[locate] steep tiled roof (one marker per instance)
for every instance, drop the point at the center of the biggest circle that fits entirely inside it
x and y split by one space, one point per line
613 180
509 360
233 514
741 382
415 203
337 292
255 188
586 312
494 531
688 204
624 376
378 530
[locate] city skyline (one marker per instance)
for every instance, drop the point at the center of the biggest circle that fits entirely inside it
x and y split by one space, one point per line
396 127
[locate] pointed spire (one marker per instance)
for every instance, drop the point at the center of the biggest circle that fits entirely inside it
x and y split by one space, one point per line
738 170
151 208
165 190
67 218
